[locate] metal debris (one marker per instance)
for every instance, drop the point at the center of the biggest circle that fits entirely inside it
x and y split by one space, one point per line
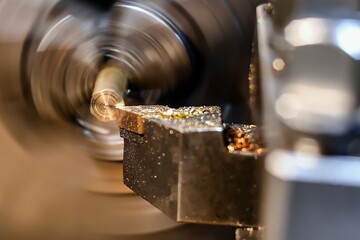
244 138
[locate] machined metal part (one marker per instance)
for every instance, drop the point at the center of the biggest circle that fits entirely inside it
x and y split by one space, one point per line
177 160
109 90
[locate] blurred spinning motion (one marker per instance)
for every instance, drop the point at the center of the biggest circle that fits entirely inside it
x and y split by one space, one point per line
172 77
71 62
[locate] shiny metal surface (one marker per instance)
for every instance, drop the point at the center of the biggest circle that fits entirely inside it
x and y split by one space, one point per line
109 90
180 164
310 95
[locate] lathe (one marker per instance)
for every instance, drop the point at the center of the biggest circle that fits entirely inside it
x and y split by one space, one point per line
173 119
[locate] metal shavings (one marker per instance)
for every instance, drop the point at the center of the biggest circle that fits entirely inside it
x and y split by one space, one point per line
269 8
243 138
165 112
171 113
185 112
189 118
184 119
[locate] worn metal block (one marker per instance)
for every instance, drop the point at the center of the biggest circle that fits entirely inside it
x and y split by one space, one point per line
180 164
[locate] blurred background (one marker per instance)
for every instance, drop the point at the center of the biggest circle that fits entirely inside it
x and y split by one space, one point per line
61 169
289 66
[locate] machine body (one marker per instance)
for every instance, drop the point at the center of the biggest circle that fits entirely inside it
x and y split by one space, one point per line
309 79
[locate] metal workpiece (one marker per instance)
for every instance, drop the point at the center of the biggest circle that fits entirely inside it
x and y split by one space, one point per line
109 90
177 160
311 197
